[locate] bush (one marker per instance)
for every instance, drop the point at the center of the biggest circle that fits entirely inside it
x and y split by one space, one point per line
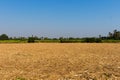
92 40
70 41
31 40
98 40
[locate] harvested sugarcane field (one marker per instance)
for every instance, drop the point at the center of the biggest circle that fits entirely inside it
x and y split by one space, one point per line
60 61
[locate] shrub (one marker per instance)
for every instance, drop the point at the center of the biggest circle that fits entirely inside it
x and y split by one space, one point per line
70 41
31 40
98 40
92 40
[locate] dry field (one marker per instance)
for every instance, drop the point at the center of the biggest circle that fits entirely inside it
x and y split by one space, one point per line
55 61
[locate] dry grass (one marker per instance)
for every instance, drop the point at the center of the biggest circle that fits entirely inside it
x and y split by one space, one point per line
55 61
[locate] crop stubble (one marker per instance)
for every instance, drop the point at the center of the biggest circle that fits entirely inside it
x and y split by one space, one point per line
55 61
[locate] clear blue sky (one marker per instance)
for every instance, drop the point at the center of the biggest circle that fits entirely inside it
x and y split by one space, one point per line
55 18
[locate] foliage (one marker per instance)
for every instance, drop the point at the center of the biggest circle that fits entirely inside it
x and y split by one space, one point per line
111 41
4 37
13 41
115 35
31 40
48 41
70 41
92 40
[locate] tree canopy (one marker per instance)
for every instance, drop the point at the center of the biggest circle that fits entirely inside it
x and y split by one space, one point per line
4 37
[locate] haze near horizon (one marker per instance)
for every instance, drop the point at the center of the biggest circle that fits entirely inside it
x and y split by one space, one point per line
56 18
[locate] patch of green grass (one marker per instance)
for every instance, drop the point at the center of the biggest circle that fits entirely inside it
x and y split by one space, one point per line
110 41
20 78
71 41
47 41
56 41
13 41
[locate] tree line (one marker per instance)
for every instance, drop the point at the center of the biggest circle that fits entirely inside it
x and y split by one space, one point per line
115 35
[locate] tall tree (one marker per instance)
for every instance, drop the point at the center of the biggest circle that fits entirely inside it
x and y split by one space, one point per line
110 35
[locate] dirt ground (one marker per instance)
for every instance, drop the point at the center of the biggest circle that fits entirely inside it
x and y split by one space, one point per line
60 61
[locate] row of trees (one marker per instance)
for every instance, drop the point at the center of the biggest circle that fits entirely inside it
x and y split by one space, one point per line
115 35
6 37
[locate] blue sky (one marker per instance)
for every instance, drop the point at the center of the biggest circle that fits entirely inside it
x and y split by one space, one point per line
56 18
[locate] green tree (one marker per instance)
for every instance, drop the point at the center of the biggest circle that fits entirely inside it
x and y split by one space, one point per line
116 34
31 39
4 37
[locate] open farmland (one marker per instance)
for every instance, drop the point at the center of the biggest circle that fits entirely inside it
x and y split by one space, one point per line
55 61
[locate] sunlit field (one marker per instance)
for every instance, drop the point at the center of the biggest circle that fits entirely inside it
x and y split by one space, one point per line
60 61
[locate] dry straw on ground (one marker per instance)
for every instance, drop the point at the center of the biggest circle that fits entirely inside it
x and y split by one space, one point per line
55 61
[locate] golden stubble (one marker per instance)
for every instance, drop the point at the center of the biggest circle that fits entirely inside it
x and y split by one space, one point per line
60 61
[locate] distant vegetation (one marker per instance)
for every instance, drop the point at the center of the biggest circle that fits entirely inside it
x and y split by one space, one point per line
31 39
4 37
112 37
92 40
